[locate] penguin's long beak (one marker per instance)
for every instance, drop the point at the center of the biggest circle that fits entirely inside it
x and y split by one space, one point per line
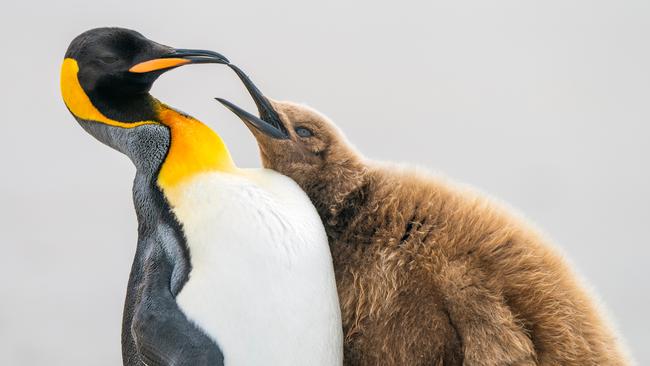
269 121
179 57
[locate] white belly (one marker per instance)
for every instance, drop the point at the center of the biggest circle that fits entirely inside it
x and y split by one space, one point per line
262 284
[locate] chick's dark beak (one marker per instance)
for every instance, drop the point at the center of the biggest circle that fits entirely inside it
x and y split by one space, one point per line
254 121
179 57
269 121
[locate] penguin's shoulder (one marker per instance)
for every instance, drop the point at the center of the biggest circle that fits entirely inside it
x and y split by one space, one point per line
243 185
268 201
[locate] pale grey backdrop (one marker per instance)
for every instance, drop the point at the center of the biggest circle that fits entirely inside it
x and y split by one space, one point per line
543 104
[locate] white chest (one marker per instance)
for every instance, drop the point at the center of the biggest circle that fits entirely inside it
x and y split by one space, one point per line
262 284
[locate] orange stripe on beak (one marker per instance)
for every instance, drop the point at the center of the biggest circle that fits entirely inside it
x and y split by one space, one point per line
158 64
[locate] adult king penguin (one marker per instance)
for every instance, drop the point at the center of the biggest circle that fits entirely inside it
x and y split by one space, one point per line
430 273
232 265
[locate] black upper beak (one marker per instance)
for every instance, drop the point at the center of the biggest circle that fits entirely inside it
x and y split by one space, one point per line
269 121
198 56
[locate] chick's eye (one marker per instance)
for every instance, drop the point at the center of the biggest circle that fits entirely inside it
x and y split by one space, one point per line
304 132
108 59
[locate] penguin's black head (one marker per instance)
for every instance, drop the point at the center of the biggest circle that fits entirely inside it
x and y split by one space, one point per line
105 81
122 62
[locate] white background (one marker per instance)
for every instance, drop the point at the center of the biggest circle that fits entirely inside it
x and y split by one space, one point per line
544 104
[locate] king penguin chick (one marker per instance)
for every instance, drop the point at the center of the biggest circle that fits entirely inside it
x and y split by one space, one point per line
430 273
232 265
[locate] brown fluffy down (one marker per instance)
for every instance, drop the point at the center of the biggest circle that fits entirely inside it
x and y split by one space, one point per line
430 273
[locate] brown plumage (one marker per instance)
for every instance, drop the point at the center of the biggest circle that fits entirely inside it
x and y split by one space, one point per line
428 272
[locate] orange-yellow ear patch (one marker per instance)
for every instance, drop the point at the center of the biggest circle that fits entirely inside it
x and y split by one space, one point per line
79 103
158 64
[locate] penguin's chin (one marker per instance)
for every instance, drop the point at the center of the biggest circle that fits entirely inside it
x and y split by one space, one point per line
264 156
126 85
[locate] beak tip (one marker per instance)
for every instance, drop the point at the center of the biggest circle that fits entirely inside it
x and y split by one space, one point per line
224 102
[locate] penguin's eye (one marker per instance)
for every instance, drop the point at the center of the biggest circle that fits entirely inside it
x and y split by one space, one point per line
304 132
108 59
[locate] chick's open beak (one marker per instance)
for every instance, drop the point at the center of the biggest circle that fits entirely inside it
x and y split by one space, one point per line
269 121
179 57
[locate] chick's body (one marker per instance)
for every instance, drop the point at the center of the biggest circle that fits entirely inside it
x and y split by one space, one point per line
431 273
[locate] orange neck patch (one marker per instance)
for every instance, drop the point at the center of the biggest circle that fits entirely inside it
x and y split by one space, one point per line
194 149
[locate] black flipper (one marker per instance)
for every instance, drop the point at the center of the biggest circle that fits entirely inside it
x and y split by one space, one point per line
155 331
163 335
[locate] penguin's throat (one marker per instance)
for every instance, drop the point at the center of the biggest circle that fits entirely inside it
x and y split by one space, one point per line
194 149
